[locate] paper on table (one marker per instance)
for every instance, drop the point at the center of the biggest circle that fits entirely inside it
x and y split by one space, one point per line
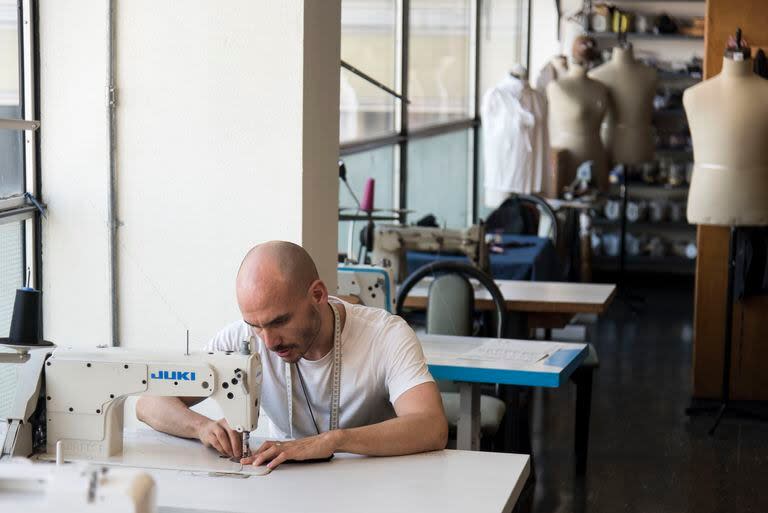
511 351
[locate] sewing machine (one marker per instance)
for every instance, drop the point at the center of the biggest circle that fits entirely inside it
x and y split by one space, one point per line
78 488
80 401
370 285
390 243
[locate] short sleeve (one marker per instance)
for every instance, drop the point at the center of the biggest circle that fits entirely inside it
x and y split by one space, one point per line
404 362
228 339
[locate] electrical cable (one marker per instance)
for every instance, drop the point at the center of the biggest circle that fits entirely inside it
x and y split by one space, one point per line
306 397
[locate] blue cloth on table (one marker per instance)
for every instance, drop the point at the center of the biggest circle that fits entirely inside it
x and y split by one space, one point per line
537 261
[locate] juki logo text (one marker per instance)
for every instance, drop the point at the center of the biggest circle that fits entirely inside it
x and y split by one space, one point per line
173 375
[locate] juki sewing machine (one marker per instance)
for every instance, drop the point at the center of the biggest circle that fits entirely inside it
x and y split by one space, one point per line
390 243
77 397
370 285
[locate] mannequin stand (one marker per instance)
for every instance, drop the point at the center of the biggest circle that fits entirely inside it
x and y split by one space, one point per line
726 406
633 301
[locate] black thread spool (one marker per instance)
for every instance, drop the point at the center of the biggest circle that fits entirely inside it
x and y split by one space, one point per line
26 323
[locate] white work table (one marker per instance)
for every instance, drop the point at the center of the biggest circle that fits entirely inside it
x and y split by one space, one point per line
441 482
456 359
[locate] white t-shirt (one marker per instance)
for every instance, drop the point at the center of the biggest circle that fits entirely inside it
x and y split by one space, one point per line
381 359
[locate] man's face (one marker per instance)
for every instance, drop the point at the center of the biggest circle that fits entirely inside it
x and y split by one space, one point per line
288 324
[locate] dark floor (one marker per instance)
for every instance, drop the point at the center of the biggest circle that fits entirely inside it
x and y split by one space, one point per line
645 455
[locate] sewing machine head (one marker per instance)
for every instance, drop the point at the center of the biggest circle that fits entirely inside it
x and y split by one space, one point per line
391 242
84 391
368 284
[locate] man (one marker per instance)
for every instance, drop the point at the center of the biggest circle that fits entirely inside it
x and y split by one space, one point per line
388 403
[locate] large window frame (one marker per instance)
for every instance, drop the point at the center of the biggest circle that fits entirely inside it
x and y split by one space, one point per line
24 207
404 135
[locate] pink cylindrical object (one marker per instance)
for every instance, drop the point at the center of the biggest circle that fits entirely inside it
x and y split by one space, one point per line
367 204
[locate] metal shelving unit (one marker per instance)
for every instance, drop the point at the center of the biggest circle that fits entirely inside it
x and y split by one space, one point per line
649 264
646 225
646 35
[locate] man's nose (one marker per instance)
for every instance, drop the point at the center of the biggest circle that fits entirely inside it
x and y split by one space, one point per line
271 339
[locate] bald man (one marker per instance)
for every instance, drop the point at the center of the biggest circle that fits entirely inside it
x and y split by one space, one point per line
388 403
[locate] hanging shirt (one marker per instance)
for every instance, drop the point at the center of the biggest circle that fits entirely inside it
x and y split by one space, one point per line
515 138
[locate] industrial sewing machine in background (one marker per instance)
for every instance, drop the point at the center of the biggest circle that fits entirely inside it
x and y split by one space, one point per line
391 242
76 397
370 285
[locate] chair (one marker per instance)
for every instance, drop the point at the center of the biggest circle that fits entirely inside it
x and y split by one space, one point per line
450 306
524 214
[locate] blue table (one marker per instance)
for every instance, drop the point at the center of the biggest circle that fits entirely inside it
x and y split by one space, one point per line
458 359
537 260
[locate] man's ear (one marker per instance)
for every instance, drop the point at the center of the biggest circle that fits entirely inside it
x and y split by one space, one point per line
318 292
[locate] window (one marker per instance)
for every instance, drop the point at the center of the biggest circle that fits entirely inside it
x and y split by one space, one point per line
17 154
440 176
11 142
12 266
442 55
368 31
440 84
378 164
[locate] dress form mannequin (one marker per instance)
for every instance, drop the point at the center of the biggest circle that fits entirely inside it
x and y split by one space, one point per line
557 67
577 105
627 132
728 118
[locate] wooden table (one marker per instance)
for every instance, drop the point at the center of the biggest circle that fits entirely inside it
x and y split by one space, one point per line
547 304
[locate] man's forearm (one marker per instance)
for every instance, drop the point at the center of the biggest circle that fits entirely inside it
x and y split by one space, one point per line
170 415
408 434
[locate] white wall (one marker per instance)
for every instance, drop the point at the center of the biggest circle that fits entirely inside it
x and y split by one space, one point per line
544 42
227 136
320 156
75 172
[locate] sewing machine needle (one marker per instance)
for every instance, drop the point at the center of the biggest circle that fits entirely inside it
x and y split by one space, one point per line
246 447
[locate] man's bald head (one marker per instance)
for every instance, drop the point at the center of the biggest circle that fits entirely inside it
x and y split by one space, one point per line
277 268
282 298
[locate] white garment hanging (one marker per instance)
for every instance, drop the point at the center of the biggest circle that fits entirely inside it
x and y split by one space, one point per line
515 140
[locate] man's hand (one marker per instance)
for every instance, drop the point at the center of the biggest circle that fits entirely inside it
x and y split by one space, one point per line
220 436
275 453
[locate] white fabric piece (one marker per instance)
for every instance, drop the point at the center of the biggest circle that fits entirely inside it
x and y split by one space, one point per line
381 359
515 140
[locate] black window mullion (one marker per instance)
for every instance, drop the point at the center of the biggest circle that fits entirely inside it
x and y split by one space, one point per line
403 145
476 128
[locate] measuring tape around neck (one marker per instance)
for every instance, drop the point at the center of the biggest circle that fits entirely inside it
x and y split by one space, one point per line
335 383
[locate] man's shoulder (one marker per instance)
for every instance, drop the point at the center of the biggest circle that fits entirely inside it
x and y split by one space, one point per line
229 337
377 323
368 316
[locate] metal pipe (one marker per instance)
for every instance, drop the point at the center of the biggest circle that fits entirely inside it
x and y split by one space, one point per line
373 81
19 124
112 197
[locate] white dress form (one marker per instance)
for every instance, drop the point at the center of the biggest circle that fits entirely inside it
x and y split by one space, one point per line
577 105
728 117
628 129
